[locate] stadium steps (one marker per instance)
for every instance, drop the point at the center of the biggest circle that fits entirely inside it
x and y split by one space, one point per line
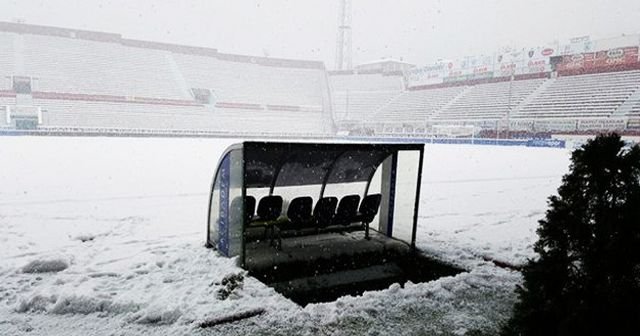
388 104
543 86
628 107
177 74
451 102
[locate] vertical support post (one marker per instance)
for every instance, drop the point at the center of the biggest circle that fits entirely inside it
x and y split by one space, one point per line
417 203
388 189
245 224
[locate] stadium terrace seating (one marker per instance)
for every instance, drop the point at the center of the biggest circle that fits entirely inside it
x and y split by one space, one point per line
127 115
81 66
97 80
7 60
356 96
635 111
417 105
90 80
634 116
96 114
365 82
359 105
583 96
253 83
488 101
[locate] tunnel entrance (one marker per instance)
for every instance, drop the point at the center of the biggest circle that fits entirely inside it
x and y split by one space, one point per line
325 267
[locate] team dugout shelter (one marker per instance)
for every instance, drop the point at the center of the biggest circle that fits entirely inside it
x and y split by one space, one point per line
271 199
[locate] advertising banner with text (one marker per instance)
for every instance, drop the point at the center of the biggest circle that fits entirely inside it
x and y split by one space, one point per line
600 59
427 75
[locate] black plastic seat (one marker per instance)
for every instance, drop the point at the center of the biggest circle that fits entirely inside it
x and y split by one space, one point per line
368 211
298 217
299 211
269 208
249 206
324 211
369 208
347 210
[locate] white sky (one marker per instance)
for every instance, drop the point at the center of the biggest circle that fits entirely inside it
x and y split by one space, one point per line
419 31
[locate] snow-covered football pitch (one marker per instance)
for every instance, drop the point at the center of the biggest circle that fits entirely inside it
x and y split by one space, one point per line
105 236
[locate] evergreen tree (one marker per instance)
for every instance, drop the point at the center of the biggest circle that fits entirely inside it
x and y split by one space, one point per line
586 280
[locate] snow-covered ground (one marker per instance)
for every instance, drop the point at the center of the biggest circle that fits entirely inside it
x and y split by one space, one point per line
104 236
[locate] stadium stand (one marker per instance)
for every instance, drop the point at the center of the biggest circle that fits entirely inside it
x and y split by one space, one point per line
356 96
353 81
132 116
57 79
73 79
576 103
417 106
634 116
89 67
359 105
489 101
582 96
253 83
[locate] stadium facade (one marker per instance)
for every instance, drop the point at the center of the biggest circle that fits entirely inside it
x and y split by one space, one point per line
57 80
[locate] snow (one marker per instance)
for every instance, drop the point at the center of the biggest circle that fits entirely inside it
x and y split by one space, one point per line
107 235
486 202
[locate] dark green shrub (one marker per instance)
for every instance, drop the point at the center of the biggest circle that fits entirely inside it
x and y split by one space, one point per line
586 280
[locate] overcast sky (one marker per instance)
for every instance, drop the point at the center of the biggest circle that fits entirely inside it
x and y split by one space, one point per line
419 31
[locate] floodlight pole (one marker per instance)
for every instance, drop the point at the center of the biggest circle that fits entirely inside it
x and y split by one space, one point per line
343 43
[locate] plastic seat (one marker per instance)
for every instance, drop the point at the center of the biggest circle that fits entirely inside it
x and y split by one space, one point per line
269 208
368 211
299 211
324 211
347 210
249 206
369 208
298 217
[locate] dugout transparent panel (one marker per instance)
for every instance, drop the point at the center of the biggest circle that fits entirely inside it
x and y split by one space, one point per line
406 183
289 193
375 187
340 190
214 208
236 212
225 211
